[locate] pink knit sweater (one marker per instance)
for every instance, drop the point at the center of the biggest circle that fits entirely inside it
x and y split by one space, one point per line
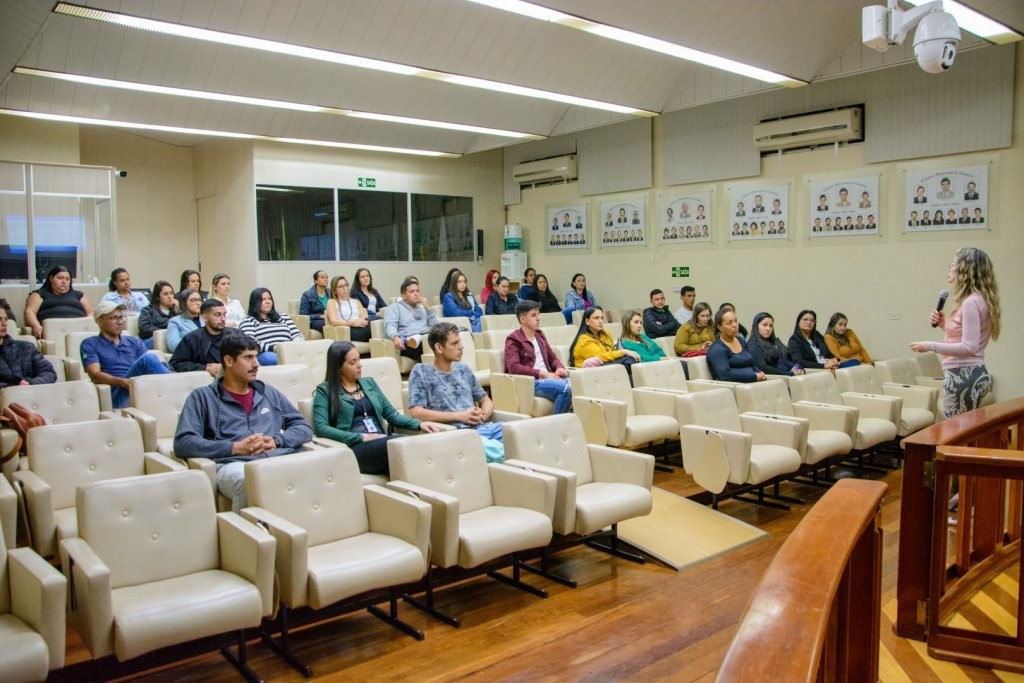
967 334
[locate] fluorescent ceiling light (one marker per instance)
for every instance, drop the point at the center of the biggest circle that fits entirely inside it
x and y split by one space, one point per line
260 102
528 9
221 133
977 23
223 38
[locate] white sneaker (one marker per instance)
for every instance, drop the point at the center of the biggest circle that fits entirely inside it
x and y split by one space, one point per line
413 341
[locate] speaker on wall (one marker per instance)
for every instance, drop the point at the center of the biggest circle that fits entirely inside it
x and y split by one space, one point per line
479 245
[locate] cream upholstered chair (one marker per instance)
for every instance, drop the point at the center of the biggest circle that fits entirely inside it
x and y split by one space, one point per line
155 565
904 372
295 382
33 595
344 333
63 457
598 486
930 374
615 414
160 341
722 447
382 347
514 394
55 329
335 537
492 339
502 323
156 402
826 432
877 416
663 375
67 369
302 321
62 402
8 513
916 404
480 511
312 354
389 379
667 344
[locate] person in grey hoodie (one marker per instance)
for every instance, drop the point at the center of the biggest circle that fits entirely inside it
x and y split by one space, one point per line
238 418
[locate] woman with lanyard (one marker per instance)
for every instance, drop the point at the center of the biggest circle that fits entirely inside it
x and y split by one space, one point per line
344 311
352 409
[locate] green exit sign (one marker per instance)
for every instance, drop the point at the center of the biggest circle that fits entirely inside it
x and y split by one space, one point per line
367 182
680 271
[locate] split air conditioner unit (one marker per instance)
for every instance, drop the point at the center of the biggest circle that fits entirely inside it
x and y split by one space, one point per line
824 128
545 170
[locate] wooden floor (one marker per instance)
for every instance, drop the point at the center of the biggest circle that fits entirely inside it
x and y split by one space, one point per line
624 622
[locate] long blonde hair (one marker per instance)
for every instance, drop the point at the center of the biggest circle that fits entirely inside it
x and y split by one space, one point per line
627 327
973 272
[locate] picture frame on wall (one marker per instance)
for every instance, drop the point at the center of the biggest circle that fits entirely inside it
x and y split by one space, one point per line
950 198
758 212
844 207
623 222
567 227
684 217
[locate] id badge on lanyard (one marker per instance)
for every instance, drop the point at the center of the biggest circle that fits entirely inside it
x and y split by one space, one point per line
371 426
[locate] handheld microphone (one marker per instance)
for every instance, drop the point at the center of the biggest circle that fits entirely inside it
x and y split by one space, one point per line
943 295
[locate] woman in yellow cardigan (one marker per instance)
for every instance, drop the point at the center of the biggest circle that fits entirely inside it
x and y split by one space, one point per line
695 336
843 342
594 346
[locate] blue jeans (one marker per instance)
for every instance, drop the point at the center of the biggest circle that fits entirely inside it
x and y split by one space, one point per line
267 358
146 364
557 390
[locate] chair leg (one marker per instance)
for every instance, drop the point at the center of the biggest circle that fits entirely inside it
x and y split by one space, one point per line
282 648
613 548
240 662
777 495
391 616
761 501
545 571
428 604
516 580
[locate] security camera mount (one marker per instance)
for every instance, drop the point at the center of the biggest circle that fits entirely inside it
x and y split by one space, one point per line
884 27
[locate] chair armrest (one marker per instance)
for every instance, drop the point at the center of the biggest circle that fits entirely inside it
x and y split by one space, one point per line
155 463
924 398
709 384
737 449
302 323
619 465
103 391
401 516
873 405
931 382
91 600
509 391
8 513
207 466
48 347
291 554
495 360
147 424
39 598
38 497
824 416
770 429
505 416
648 402
444 521
513 487
248 551
73 370
604 420
563 518
483 358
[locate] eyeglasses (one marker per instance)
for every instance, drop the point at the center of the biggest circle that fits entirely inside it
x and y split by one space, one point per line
115 318
195 300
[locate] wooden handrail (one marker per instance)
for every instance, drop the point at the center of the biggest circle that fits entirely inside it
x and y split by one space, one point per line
817 607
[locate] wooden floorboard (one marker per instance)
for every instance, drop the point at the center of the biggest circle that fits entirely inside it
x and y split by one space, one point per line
624 622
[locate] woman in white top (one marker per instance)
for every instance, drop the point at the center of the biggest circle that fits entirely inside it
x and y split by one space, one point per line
121 293
221 290
346 311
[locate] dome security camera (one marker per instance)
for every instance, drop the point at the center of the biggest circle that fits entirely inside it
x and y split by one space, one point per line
936 41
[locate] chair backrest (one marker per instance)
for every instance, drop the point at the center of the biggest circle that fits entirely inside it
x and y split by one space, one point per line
494 339
661 374
712 408
605 381
818 387
55 329
73 343
59 403
378 329
388 377
764 397
312 353
460 321
5 584
468 351
929 364
451 462
559 335
162 396
294 381
293 307
131 325
506 322
554 441
69 455
898 370
151 527
553 320
859 378
668 345
698 367
160 340
320 491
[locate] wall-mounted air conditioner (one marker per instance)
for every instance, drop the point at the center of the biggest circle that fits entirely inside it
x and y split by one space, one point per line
545 170
824 128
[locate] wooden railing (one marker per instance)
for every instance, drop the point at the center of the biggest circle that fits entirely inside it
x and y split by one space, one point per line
815 616
982 449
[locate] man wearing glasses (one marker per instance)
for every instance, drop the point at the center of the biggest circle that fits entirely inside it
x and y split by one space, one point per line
112 357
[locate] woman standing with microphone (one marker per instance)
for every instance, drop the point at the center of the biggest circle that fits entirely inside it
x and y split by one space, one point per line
974 320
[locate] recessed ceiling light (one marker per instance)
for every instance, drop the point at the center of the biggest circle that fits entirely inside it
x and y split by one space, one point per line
341 58
640 40
221 133
261 102
977 23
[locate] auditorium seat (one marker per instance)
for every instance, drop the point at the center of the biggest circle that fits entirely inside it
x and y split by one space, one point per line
500 323
302 321
905 372
62 457
335 537
33 595
344 333
477 361
480 511
201 573
383 347
877 417
914 403
155 402
295 382
8 513
664 375
311 353
55 329
721 447
615 414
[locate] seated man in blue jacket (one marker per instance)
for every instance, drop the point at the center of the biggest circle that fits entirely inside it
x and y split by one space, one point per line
238 418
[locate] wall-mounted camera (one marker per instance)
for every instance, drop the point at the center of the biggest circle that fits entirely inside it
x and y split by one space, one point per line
935 41
121 174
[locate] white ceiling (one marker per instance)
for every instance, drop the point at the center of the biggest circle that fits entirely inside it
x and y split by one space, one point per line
805 39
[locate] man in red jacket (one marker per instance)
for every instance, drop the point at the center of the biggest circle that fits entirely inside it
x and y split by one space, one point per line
527 352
